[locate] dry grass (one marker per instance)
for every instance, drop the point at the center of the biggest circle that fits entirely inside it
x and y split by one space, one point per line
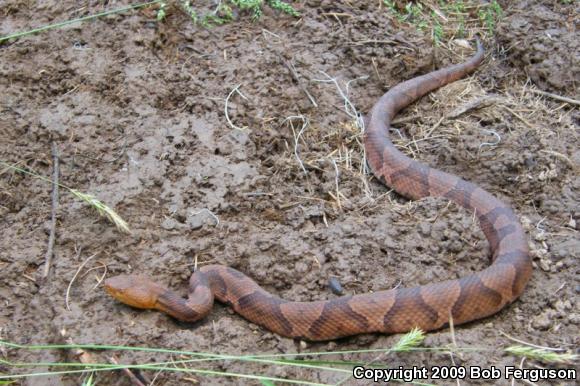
463 113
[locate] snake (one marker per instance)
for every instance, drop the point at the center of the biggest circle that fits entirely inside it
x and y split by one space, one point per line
427 307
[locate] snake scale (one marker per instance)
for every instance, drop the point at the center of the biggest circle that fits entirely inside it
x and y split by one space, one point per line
428 307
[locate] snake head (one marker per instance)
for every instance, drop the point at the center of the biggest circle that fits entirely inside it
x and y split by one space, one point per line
134 290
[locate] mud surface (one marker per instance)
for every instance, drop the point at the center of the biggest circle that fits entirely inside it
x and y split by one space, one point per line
136 109
540 39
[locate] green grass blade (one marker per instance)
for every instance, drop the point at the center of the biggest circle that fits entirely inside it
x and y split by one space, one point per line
73 21
101 208
542 354
168 369
241 357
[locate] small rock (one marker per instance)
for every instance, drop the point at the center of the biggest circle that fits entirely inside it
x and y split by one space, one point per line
568 248
563 305
545 265
123 257
540 236
347 229
542 322
313 212
301 267
456 246
264 245
539 253
526 222
195 222
389 243
169 224
425 229
335 286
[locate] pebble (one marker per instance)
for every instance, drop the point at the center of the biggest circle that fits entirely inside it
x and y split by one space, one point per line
526 222
538 253
301 267
540 236
563 305
335 286
425 229
123 257
195 222
542 322
169 224
545 265
347 229
568 248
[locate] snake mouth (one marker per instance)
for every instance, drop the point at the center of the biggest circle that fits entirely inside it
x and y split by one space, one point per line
111 288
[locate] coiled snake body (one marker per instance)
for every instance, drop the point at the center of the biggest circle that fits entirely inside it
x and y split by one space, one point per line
428 307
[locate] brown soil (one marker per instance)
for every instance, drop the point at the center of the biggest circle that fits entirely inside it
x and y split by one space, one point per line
137 110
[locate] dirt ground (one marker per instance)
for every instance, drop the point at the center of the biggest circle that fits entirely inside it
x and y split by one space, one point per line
136 108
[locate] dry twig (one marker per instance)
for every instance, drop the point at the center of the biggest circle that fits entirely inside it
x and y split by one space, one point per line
557 97
294 74
136 378
54 208
235 89
297 136
66 298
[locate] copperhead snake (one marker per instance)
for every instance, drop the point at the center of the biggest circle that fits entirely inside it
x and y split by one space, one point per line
428 307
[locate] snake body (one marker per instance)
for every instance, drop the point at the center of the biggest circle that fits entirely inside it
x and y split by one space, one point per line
428 307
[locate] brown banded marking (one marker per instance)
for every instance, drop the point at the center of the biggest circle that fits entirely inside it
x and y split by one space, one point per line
234 272
189 310
374 307
412 181
409 310
440 183
475 300
443 304
393 161
428 307
343 318
217 284
264 310
461 193
497 217
506 233
302 317
238 285
500 280
492 222
519 260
